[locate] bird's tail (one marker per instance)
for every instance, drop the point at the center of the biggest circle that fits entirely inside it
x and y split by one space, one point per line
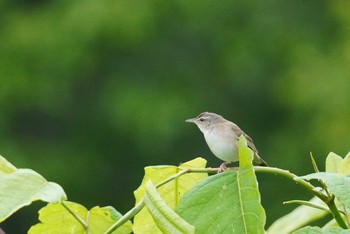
259 161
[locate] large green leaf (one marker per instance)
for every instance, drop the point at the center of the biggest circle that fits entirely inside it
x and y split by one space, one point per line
170 192
55 219
166 218
336 184
228 202
20 187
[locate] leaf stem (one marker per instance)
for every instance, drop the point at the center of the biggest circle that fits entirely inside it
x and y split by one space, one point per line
77 217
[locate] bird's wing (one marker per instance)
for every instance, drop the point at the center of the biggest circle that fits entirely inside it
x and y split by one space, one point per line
239 132
250 143
257 159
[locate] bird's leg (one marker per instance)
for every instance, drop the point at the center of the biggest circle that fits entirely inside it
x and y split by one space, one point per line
222 167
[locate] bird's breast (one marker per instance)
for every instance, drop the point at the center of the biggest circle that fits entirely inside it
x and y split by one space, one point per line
223 145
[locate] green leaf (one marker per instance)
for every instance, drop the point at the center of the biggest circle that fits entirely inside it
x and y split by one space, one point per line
332 162
344 166
101 218
245 154
330 223
170 192
336 184
336 164
20 187
55 219
228 202
317 230
166 219
298 218
6 167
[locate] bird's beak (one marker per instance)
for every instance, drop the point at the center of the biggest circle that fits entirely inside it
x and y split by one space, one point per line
190 120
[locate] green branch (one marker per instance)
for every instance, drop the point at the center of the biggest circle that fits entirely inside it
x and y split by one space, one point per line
328 200
293 177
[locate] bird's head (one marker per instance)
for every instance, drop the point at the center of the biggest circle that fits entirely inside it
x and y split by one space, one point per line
206 120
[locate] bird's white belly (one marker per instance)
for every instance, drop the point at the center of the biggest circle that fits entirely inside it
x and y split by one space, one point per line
225 148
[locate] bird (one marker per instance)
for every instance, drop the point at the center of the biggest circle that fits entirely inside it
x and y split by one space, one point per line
222 136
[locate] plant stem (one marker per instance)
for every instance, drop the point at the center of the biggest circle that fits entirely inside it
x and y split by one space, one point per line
129 215
292 176
335 213
77 217
329 200
324 186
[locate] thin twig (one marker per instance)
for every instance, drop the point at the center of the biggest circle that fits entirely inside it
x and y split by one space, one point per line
311 204
323 184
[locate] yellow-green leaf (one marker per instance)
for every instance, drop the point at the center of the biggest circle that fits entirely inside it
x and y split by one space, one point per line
344 166
56 219
245 153
332 162
170 192
6 167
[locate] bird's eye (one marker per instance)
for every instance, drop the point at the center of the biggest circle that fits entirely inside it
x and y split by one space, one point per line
201 120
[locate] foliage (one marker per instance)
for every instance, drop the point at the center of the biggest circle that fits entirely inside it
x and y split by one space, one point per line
170 192
105 86
184 199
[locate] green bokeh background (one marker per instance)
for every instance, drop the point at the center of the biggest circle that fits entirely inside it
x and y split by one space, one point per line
93 91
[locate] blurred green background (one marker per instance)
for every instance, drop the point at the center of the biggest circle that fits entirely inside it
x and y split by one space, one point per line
93 91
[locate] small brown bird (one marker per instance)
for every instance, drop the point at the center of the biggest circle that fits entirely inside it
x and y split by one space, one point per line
222 136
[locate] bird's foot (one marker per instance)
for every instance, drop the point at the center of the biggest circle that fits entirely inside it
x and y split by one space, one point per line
222 167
